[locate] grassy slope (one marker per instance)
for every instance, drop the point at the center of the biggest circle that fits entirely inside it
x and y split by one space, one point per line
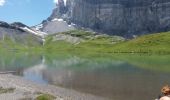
153 43
93 45
20 42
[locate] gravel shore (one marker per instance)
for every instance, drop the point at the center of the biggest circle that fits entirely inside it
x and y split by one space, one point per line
27 89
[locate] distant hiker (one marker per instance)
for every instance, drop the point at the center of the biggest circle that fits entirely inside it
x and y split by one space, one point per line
166 92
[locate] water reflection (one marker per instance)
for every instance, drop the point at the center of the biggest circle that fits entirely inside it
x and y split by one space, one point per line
116 78
35 73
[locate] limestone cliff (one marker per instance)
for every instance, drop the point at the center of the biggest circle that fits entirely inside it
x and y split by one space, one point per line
120 17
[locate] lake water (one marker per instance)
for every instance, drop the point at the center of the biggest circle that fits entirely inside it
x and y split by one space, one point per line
120 77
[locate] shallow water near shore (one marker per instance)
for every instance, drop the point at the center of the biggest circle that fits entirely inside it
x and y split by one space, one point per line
134 77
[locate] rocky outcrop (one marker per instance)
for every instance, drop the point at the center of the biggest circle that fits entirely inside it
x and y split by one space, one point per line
14 27
55 25
18 24
19 33
59 20
8 29
68 38
120 17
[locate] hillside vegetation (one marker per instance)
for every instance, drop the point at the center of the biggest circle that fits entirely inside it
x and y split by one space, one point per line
93 43
85 43
19 42
153 43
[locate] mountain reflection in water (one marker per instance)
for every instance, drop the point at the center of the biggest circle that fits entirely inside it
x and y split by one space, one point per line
110 78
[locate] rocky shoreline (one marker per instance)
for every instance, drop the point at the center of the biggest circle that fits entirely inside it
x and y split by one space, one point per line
18 88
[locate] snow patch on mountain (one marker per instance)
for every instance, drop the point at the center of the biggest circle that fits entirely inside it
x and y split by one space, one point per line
38 27
56 19
57 1
38 33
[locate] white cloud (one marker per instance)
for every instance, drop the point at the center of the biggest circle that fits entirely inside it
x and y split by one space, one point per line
2 2
55 1
65 1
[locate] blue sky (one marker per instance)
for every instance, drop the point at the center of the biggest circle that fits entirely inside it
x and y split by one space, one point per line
29 12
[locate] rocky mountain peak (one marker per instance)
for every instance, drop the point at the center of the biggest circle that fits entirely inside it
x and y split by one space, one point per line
60 10
61 6
18 24
59 21
10 26
127 18
4 24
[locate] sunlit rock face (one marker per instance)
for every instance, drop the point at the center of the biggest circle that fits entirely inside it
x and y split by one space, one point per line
60 8
59 20
120 17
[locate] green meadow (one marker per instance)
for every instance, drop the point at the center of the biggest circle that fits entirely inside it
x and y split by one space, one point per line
147 52
151 44
91 44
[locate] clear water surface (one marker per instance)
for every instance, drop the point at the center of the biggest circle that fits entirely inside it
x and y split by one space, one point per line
134 77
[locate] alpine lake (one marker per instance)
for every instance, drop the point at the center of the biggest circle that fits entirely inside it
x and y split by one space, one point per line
115 77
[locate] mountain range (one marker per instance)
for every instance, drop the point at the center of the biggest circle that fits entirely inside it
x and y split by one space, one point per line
18 33
127 18
104 19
